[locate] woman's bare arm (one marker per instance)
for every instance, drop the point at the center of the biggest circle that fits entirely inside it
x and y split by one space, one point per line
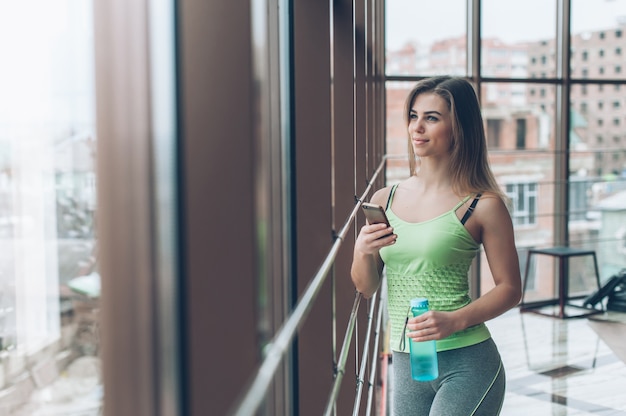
367 265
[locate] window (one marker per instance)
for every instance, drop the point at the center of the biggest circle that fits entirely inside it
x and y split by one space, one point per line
521 134
524 202
578 200
493 133
48 269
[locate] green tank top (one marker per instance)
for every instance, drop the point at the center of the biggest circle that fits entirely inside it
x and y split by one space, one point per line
430 259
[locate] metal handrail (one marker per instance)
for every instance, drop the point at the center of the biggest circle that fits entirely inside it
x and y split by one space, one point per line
343 356
361 378
277 348
372 380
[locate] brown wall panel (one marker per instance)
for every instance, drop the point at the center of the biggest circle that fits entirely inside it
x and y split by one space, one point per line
218 202
344 186
313 195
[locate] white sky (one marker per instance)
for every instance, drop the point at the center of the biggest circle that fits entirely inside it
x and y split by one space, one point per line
509 20
47 57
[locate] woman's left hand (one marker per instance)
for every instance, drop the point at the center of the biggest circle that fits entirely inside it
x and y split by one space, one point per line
432 325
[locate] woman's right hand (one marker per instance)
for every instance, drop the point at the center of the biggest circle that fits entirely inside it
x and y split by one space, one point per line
366 263
374 236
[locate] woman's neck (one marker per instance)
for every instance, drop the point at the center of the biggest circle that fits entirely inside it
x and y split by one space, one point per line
433 176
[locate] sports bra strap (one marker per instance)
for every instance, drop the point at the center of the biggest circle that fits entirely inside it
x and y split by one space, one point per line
393 190
467 214
470 209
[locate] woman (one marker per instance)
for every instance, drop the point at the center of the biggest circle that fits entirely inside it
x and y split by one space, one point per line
439 217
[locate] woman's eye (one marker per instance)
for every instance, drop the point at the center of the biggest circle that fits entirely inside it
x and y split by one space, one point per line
412 116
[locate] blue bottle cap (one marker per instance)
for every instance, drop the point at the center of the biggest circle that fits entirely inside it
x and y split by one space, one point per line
419 303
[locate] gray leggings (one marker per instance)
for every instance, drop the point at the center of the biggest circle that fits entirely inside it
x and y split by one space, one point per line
471 382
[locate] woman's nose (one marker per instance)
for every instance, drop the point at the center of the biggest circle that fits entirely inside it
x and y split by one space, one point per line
416 125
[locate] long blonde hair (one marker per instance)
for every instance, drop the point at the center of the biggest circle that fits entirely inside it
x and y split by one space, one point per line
469 165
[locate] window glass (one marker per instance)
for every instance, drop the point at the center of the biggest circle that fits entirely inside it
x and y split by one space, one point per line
519 123
520 127
425 37
597 190
397 135
49 281
518 116
516 41
597 28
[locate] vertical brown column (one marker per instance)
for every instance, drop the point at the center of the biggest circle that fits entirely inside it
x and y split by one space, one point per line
217 202
313 204
344 142
125 224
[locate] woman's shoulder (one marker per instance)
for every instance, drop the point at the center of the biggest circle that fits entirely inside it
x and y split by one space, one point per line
490 205
490 197
381 195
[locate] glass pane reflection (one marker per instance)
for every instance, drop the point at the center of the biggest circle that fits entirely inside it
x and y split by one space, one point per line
598 40
420 42
397 135
49 281
518 39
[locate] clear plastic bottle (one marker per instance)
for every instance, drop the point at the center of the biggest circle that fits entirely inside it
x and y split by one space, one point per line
424 365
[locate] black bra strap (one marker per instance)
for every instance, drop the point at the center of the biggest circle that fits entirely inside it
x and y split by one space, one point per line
470 209
393 189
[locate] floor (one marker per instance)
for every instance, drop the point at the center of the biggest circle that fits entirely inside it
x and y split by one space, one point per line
563 366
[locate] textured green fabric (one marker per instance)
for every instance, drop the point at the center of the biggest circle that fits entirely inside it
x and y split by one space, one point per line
430 259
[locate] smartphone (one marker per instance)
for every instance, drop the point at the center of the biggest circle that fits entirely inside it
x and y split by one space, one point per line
375 214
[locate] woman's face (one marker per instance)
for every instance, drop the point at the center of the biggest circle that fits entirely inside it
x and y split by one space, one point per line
430 126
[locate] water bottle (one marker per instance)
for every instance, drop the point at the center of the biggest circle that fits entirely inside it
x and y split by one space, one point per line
424 365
